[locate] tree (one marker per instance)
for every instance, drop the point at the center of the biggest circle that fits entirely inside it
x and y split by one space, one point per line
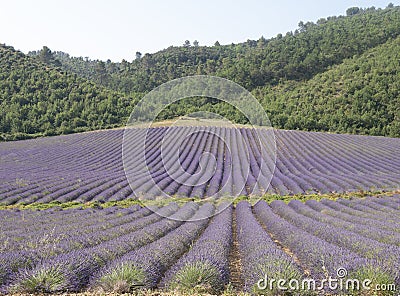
138 55
352 11
187 43
302 27
101 72
251 43
124 65
56 63
390 5
196 43
262 42
46 56
217 43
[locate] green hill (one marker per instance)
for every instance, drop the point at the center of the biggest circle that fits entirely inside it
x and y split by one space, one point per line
340 74
298 55
37 99
361 96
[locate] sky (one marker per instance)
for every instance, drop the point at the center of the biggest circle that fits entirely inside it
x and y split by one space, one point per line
117 29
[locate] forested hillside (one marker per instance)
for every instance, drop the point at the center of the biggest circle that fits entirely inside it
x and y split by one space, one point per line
361 95
297 55
339 74
36 99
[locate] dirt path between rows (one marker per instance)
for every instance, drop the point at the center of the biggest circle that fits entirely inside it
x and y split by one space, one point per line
234 258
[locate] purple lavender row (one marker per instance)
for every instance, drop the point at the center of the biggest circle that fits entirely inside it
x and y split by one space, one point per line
227 176
366 161
318 257
267 149
223 159
316 157
208 170
244 153
356 243
12 261
297 175
217 151
61 179
359 211
144 267
240 163
205 143
349 162
288 169
207 258
33 234
255 160
48 169
395 198
387 203
186 161
66 190
262 160
328 161
372 232
84 192
51 216
60 161
71 271
194 163
64 218
81 237
173 182
152 159
88 239
259 254
356 219
35 189
387 207
154 163
372 207
30 232
96 191
117 193
67 145
384 146
376 211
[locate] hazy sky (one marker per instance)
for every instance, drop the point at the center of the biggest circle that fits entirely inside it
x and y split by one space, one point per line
117 29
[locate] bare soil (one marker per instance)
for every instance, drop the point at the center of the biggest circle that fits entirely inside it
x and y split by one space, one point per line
234 259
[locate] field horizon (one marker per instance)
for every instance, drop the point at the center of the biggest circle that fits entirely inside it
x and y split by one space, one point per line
190 122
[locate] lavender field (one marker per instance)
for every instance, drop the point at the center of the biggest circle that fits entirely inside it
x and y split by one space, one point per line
89 166
129 249
204 245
